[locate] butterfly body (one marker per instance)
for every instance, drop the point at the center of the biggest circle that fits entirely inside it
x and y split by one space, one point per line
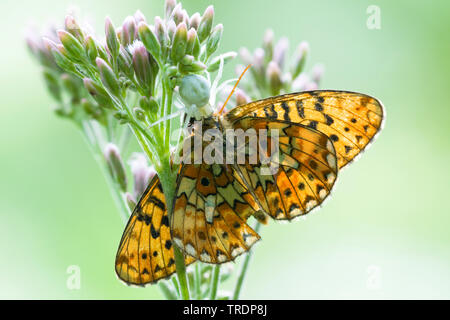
318 133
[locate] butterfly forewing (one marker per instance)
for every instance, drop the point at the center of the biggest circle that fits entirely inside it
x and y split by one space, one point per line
145 253
350 120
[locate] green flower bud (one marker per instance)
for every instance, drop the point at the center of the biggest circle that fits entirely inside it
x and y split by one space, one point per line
194 21
191 38
187 60
108 77
61 60
274 76
129 31
52 85
125 63
204 29
194 90
88 106
139 114
171 28
115 165
131 201
268 44
214 40
195 67
72 26
112 41
280 50
300 59
149 40
169 6
91 49
121 115
179 43
141 65
171 71
75 50
98 93
215 63
177 14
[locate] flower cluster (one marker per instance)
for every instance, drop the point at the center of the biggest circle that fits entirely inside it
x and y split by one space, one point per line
273 72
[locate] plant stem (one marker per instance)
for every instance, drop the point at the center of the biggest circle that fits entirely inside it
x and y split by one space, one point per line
244 268
215 282
168 181
168 293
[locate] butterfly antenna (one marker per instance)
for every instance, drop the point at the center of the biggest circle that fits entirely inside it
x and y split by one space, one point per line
234 88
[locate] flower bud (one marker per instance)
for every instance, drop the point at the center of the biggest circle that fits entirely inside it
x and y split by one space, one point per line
179 43
177 14
274 76
300 58
91 48
125 63
61 60
169 6
139 114
98 93
241 98
139 17
191 38
142 173
214 40
75 50
115 165
72 27
215 63
149 40
128 31
280 50
149 105
194 90
131 201
52 85
171 28
112 41
196 66
246 56
268 44
161 33
141 65
317 73
88 106
108 77
194 21
187 60
206 22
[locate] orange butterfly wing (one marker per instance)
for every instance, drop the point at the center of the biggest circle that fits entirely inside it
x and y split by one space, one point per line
145 253
305 168
351 120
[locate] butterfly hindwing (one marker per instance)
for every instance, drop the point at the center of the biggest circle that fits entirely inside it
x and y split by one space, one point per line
303 170
351 120
145 253
210 212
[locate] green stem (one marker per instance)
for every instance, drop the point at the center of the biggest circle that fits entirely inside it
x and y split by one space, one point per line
168 293
215 282
168 181
244 268
198 280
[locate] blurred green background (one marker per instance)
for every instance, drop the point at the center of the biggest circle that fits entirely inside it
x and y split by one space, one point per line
385 232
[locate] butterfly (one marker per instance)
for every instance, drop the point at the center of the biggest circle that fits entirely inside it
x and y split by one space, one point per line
318 132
